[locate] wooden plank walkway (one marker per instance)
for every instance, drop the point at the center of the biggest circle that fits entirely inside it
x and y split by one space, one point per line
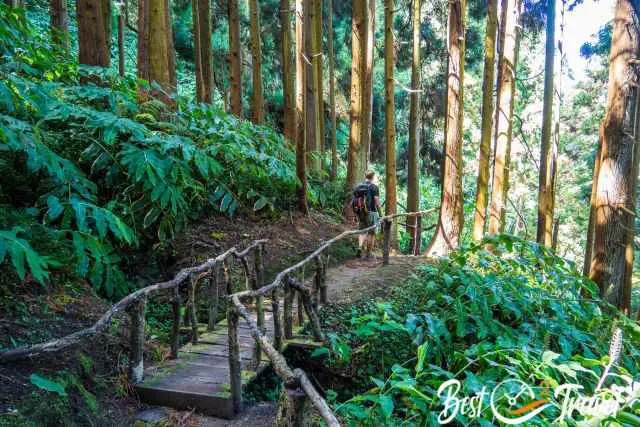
199 378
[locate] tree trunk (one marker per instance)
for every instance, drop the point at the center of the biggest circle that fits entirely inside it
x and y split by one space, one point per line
59 22
588 252
156 61
202 50
615 195
94 32
257 106
447 236
235 55
367 84
318 64
390 120
288 82
355 166
545 190
482 185
332 94
312 109
301 161
508 58
413 150
121 64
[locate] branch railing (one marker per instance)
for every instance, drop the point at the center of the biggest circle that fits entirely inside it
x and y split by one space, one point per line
217 271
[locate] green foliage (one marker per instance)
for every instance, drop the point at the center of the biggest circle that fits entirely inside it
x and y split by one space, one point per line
49 385
481 318
104 174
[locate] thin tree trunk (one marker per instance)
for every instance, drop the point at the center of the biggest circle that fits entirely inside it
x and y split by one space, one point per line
319 62
588 252
311 95
235 55
355 166
197 50
504 113
256 52
615 192
203 52
94 32
367 91
301 161
447 236
59 22
332 94
390 120
121 65
288 82
413 150
545 190
156 61
482 184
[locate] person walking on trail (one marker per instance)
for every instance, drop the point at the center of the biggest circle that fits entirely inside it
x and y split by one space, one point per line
366 205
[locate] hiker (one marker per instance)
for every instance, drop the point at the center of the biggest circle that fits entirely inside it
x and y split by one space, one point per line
366 204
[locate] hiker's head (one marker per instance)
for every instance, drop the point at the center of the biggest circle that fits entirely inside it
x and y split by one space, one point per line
370 175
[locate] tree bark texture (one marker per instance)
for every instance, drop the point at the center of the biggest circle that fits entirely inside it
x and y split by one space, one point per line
257 106
59 22
332 92
202 50
319 70
367 84
504 113
312 111
413 150
447 236
544 233
235 58
288 76
390 123
482 184
615 192
94 32
301 161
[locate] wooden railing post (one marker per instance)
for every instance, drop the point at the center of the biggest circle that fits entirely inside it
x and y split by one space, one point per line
175 329
277 324
323 283
258 283
386 231
318 281
305 297
288 309
300 308
235 370
418 248
214 298
194 309
136 357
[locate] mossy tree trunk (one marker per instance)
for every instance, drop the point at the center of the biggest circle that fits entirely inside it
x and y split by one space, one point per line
332 92
482 184
413 149
59 22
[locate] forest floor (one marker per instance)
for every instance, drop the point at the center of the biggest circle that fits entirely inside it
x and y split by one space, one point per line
93 375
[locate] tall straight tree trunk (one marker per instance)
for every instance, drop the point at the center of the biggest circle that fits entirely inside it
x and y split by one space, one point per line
504 113
197 50
301 161
588 251
413 150
288 82
202 49
94 32
59 22
318 64
355 166
389 118
615 184
367 91
545 190
256 52
332 93
121 65
235 57
312 107
156 60
447 236
482 184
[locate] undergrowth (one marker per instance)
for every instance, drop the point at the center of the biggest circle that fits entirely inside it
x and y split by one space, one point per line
482 319
88 173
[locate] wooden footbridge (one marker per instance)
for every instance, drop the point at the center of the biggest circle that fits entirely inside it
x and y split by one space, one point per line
209 372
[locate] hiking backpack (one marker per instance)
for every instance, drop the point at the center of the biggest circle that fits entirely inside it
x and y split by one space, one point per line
360 201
